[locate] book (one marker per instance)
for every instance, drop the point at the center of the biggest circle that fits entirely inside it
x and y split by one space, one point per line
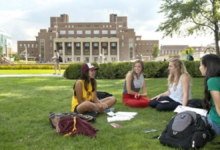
180 109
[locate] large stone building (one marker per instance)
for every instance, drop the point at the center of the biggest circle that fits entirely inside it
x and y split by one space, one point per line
6 43
176 50
88 42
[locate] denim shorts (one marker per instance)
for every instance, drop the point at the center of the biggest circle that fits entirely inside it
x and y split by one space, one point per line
215 127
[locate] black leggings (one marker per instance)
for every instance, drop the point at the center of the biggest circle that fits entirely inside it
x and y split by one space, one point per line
169 106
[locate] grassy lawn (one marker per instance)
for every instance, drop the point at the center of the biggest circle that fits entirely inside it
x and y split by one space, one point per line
25 104
29 71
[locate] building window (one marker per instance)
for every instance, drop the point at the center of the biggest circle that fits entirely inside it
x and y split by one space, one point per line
50 37
113 59
95 59
79 31
87 59
104 31
131 43
122 37
113 31
77 58
96 31
88 32
131 53
70 32
120 25
122 44
62 32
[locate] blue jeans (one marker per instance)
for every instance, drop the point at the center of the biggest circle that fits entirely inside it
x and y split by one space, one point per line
214 126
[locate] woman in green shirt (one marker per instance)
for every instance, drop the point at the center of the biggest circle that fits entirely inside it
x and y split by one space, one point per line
210 69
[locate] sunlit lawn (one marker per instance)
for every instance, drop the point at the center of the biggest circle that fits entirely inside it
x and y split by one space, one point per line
25 104
29 71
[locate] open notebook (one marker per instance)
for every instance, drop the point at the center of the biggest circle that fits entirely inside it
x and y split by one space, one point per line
180 109
120 116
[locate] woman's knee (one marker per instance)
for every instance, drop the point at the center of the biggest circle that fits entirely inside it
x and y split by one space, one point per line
153 103
85 106
113 99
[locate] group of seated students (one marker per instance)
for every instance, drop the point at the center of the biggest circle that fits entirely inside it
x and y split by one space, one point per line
85 100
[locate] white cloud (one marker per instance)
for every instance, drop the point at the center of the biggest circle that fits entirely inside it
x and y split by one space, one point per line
12 15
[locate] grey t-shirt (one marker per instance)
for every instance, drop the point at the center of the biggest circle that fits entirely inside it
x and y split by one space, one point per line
136 84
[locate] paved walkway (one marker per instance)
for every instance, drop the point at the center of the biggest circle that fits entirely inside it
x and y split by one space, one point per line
29 75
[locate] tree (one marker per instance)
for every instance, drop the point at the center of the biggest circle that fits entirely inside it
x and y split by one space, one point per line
155 51
186 17
190 51
1 51
15 56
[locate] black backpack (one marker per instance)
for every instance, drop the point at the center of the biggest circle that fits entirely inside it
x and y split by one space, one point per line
187 130
102 95
60 59
191 58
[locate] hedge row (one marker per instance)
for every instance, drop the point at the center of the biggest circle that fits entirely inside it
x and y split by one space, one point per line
119 70
31 66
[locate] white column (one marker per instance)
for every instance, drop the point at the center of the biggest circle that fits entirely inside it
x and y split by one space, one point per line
73 51
100 52
108 58
118 50
64 59
90 52
81 49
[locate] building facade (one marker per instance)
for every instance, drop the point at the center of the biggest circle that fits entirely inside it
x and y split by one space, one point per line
6 43
175 50
88 42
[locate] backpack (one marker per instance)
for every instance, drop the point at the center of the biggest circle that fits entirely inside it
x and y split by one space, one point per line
56 118
195 103
187 130
60 59
191 58
102 95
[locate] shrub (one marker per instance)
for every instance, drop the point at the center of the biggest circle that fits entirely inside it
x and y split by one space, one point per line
118 70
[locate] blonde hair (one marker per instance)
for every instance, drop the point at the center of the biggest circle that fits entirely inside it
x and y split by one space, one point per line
142 68
181 69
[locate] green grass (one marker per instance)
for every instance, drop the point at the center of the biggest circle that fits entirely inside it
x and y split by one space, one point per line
29 71
25 104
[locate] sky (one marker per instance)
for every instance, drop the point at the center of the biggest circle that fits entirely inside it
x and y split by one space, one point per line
23 19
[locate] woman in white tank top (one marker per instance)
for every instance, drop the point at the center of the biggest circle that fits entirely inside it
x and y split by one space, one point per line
179 88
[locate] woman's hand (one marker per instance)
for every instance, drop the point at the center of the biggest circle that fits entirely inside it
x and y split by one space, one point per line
102 106
137 95
156 97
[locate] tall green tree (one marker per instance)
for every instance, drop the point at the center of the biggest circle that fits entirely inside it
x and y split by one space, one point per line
186 17
1 51
190 50
155 51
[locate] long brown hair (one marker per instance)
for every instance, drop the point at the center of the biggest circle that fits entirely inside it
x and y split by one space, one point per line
181 69
133 72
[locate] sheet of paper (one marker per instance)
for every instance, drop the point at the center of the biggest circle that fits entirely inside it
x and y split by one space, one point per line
122 116
180 109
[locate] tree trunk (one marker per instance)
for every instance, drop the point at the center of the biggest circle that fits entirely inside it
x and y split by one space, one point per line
216 40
